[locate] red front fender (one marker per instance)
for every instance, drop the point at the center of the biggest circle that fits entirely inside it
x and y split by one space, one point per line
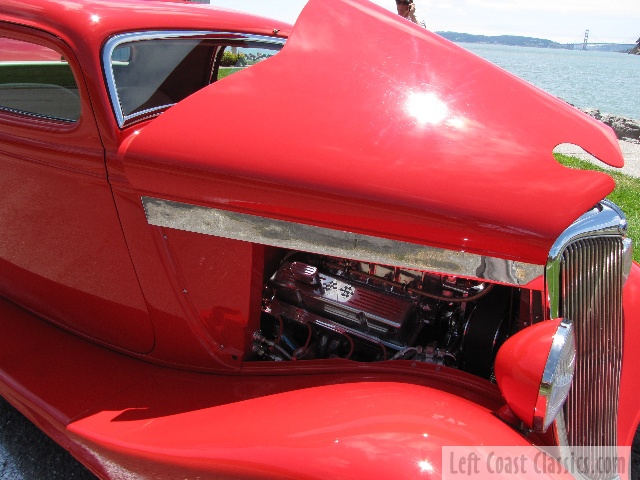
629 406
353 430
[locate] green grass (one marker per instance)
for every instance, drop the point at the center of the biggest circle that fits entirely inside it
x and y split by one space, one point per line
626 195
226 71
51 73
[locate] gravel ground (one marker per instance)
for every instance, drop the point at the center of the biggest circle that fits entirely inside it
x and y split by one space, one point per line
635 457
28 454
630 151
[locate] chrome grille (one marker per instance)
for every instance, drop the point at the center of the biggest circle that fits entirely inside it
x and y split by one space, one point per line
591 280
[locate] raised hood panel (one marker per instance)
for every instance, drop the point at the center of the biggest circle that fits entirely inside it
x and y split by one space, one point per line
367 123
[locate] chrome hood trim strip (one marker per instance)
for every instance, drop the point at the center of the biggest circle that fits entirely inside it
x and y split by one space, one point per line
337 243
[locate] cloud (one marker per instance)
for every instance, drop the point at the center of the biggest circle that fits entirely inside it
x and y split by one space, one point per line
577 7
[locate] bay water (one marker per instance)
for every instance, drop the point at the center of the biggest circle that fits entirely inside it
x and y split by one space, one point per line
607 81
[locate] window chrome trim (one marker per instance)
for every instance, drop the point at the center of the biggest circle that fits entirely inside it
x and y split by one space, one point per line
130 37
40 116
337 243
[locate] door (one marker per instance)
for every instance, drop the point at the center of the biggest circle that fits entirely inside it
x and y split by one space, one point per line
62 252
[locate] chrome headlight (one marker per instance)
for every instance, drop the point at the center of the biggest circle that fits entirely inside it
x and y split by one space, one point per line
534 370
557 377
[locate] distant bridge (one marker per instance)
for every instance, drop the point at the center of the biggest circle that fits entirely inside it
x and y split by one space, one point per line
596 43
599 46
586 43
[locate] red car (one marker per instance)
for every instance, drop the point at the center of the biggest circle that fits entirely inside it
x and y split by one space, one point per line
351 254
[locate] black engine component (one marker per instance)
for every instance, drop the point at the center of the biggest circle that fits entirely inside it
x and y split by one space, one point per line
324 307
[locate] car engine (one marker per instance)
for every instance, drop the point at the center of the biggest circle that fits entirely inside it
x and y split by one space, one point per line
319 307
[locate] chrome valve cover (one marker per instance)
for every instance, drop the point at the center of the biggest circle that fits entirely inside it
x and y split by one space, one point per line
384 316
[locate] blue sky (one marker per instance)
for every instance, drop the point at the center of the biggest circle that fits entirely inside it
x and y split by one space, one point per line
559 20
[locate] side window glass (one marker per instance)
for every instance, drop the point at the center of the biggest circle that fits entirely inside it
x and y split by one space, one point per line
236 58
37 80
147 73
152 74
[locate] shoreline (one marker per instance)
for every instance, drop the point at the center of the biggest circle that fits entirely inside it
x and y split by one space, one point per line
626 128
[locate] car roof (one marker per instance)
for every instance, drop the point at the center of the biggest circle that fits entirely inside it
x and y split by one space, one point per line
88 23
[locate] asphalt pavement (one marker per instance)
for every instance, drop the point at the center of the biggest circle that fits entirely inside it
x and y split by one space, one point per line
28 454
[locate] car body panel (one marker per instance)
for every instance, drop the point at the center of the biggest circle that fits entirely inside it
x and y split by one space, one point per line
62 248
320 433
163 381
116 420
81 29
338 423
84 27
629 413
422 152
189 318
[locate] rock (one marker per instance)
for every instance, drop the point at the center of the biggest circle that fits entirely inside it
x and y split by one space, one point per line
592 112
625 128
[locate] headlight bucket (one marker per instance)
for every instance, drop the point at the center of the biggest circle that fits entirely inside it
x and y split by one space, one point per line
534 370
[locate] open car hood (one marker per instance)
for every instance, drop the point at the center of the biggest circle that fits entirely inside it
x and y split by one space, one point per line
367 123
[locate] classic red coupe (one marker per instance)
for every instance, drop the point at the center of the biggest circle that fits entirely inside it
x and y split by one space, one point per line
232 248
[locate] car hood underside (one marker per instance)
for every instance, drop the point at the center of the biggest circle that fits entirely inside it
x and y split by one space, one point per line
365 122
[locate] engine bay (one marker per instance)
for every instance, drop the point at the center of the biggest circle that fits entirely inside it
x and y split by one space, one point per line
320 307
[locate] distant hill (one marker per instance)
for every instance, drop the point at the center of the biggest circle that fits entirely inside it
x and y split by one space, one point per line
515 40
501 40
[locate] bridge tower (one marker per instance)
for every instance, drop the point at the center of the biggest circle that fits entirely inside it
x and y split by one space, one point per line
586 40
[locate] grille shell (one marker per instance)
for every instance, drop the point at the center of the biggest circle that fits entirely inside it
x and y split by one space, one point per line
591 285
585 277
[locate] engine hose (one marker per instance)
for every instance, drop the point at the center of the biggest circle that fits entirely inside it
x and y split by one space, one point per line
280 329
384 351
289 343
353 346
